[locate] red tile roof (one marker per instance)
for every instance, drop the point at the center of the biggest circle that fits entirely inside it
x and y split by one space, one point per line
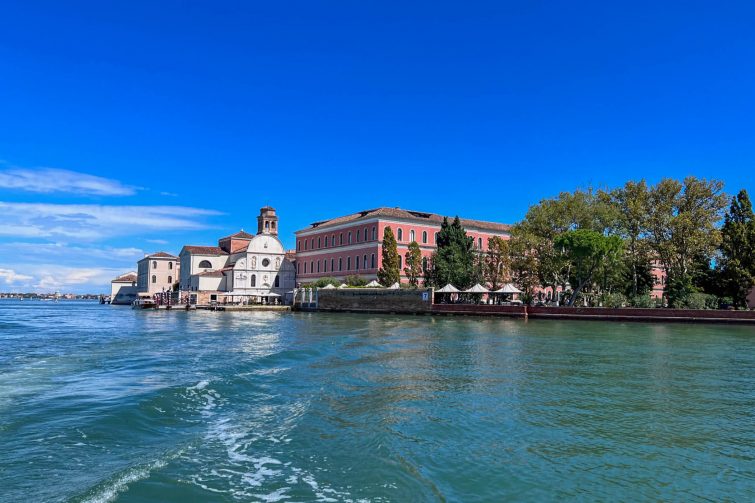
416 216
161 255
239 235
204 250
129 277
211 274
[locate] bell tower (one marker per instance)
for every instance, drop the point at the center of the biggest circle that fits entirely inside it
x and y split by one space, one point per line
267 222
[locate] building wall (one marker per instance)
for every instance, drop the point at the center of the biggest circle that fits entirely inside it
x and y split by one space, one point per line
122 292
311 249
164 271
190 266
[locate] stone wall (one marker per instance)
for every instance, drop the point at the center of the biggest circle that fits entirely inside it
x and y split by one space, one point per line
375 300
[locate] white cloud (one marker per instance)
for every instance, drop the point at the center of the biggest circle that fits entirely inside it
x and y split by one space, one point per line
158 241
169 194
91 221
68 254
9 276
49 180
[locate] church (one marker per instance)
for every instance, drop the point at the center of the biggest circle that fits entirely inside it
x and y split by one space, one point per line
243 268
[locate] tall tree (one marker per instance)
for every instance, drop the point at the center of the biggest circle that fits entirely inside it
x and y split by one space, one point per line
631 203
497 262
524 263
413 261
454 259
389 273
586 250
737 263
682 220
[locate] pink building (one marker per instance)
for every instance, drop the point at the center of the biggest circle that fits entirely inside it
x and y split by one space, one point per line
351 244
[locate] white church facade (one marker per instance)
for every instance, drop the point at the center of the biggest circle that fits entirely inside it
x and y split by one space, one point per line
243 268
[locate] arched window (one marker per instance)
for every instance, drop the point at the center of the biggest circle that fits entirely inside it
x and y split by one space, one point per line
479 243
340 264
298 245
254 278
366 238
298 268
373 261
400 263
154 279
332 264
364 261
374 233
170 265
305 268
318 266
205 264
349 237
348 263
424 237
341 238
436 238
424 263
411 235
326 241
359 234
277 281
400 234
319 243
170 280
325 265
312 243
311 267
272 225
333 239
267 225
154 264
357 261
305 244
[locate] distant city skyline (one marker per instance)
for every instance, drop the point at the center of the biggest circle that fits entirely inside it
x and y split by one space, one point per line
131 130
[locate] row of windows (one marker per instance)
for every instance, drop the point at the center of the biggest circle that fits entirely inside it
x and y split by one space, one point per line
330 241
154 264
317 264
154 279
322 266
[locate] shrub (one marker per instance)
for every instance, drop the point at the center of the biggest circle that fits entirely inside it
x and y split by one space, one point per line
355 280
645 301
613 300
323 282
698 301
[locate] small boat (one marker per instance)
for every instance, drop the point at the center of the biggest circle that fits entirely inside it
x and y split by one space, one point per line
144 301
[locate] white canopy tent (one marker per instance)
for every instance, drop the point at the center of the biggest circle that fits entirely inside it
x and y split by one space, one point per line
508 288
478 288
343 286
449 288
394 286
329 286
374 284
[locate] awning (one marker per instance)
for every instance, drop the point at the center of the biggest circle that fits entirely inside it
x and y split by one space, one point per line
373 284
449 288
478 288
508 288
394 286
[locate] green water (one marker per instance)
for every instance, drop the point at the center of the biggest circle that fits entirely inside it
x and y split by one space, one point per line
100 403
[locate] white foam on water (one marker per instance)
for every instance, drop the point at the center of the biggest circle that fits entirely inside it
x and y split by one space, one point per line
274 496
120 484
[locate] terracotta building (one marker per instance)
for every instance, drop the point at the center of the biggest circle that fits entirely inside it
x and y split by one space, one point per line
157 273
351 244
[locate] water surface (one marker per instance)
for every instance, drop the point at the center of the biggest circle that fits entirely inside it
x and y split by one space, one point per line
101 403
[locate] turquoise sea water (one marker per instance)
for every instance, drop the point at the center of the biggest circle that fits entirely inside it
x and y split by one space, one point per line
101 403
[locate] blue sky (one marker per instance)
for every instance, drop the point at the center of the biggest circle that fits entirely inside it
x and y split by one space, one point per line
134 127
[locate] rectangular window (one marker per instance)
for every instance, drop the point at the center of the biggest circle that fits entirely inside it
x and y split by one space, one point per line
373 261
332 263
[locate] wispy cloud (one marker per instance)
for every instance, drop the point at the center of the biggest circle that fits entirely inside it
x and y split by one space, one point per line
51 180
10 277
91 222
169 194
67 254
158 241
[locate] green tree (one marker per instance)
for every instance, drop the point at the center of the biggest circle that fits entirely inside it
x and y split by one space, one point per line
586 250
682 220
632 219
497 262
524 263
737 262
413 262
455 258
389 273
